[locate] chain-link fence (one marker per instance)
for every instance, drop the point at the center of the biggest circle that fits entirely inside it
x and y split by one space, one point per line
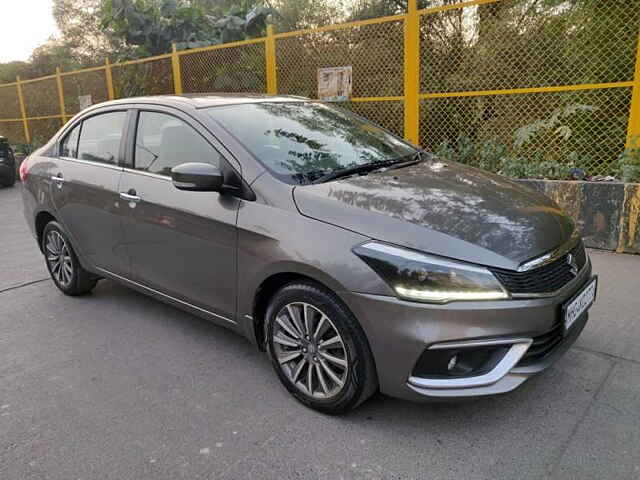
526 87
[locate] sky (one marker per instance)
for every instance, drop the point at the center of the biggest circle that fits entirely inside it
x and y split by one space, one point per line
26 24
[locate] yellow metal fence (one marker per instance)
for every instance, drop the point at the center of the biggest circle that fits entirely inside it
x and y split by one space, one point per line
481 80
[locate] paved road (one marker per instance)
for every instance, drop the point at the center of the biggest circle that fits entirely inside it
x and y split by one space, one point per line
118 386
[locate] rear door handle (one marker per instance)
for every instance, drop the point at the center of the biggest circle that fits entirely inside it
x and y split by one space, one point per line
130 196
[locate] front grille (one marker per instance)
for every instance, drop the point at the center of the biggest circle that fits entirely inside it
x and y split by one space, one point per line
544 279
542 346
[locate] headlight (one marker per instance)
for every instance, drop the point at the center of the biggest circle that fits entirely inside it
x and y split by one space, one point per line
419 277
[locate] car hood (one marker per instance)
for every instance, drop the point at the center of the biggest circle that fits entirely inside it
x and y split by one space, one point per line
443 208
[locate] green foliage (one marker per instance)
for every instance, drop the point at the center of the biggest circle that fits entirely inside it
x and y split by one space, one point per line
80 26
23 148
555 124
43 61
629 162
541 149
302 14
487 155
152 26
520 167
9 71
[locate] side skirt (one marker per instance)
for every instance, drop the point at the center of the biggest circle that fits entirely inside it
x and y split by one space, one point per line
176 302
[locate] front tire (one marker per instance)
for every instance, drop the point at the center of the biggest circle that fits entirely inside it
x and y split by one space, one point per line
318 349
62 262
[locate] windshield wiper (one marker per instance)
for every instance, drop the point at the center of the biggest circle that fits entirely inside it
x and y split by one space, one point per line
369 167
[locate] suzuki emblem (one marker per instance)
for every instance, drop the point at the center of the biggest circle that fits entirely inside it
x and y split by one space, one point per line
571 260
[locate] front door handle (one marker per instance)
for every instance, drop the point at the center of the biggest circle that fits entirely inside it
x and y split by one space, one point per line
130 196
58 180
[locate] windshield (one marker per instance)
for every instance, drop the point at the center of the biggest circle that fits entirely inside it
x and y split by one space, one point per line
300 142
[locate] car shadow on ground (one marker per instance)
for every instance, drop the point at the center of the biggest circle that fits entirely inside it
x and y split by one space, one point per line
540 394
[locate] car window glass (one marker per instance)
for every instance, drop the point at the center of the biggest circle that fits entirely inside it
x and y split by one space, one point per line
164 141
100 137
69 147
301 141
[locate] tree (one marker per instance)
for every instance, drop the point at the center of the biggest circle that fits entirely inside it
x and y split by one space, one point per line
364 9
151 26
81 31
303 14
9 71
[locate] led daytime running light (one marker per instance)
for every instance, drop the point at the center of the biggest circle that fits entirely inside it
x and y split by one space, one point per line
442 296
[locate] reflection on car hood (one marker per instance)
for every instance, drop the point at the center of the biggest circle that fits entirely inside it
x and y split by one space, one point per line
443 208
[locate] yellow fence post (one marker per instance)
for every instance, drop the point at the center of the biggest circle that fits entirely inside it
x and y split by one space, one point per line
177 75
633 131
63 110
23 111
270 53
412 73
109 79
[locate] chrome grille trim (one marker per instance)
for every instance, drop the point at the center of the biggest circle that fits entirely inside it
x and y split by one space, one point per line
551 256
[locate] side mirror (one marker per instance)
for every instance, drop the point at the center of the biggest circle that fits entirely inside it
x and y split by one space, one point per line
197 177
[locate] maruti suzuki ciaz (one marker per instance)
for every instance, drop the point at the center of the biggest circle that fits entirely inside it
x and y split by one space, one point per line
356 260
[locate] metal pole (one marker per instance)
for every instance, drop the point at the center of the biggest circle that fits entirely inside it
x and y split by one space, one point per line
177 74
109 79
412 73
270 53
633 130
63 111
23 111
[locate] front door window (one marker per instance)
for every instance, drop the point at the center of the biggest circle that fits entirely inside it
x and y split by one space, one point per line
164 141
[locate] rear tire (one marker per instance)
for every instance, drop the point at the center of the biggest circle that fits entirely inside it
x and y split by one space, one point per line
62 262
8 181
314 340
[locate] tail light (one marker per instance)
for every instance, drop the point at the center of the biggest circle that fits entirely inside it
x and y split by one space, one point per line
24 169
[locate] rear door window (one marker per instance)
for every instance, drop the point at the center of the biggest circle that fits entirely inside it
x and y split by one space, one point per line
164 141
69 147
101 136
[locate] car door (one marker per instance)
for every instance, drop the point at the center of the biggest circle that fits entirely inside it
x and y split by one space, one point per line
84 189
182 244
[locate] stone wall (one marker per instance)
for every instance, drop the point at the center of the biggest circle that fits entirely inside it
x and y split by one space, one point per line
607 213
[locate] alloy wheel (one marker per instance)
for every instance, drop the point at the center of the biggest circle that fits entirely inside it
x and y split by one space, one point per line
310 350
59 258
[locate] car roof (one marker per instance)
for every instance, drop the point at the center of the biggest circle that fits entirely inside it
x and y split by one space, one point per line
206 100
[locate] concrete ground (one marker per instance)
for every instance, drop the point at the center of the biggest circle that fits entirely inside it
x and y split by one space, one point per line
118 386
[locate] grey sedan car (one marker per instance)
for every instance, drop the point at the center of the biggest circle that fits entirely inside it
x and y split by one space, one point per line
357 261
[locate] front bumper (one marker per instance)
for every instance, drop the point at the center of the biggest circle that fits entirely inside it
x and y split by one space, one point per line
399 332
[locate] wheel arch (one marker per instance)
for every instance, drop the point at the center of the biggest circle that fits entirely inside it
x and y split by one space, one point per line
42 219
268 288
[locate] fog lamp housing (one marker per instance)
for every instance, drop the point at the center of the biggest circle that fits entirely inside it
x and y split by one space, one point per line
458 362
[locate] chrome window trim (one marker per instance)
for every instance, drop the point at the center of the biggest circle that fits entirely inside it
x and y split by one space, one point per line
157 292
166 178
93 163
551 256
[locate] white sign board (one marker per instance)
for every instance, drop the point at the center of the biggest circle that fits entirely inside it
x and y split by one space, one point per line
334 84
85 101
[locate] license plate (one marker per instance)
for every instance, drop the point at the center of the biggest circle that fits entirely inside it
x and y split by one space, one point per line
580 303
